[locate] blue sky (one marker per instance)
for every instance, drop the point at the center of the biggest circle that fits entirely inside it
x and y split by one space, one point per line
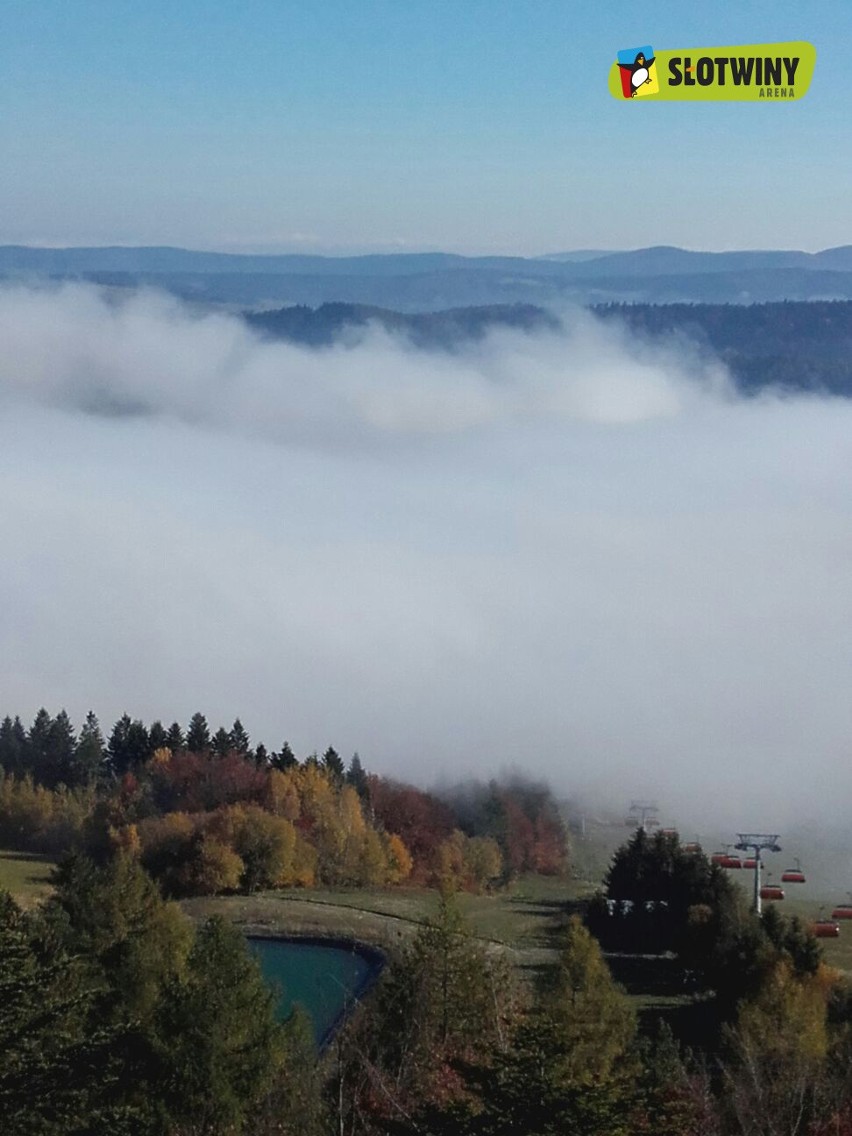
379 125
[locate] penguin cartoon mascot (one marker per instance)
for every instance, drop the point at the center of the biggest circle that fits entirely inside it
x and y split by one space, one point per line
640 73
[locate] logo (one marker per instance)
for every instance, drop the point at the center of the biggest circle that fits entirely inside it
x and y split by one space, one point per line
638 70
762 72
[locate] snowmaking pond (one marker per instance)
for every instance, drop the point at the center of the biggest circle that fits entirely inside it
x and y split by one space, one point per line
325 978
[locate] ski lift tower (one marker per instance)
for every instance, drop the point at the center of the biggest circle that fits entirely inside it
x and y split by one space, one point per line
643 814
757 842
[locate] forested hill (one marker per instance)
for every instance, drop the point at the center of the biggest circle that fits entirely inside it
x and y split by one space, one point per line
320 327
801 346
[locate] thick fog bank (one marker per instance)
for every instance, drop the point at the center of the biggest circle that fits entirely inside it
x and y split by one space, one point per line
561 553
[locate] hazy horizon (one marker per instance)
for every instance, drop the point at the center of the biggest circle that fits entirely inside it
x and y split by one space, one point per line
474 128
343 253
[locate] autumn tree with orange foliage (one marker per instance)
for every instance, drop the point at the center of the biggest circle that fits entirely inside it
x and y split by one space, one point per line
420 820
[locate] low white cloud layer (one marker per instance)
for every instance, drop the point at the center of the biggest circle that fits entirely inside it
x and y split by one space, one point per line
561 552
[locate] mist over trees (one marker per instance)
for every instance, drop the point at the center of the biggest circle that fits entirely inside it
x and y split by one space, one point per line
791 346
787 345
447 330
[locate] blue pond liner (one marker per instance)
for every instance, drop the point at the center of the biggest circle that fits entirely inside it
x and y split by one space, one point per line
326 977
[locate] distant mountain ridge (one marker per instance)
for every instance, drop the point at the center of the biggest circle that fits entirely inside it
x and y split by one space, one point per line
670 260
657 259
158 259
434 281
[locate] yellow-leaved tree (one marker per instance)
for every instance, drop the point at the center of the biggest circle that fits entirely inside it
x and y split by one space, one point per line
777 1050
568 1068
400 862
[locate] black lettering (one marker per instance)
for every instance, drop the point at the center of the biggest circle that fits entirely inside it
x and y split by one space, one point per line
790 66
772 71
688 77
721 63
676 78
705 71
758 71
741 70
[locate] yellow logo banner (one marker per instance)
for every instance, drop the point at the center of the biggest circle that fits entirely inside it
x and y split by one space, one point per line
757 72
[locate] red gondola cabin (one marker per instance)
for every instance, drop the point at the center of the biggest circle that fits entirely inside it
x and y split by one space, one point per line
826 929
793 876
842 911
771 891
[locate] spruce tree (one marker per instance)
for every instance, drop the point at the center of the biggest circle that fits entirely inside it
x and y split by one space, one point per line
62 745
115 918
65 1072
13 746
175 740
198 734
239 739
221 742
333 765
90 753
356 776
118 751
38 746
285 759
129 746
158 737
219 1034
138 744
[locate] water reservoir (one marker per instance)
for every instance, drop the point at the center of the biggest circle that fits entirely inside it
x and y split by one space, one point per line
324 977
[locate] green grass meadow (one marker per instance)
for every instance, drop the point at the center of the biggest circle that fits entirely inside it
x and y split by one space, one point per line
25 876
526 919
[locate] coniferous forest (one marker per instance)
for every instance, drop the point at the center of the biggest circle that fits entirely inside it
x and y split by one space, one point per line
119 1014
